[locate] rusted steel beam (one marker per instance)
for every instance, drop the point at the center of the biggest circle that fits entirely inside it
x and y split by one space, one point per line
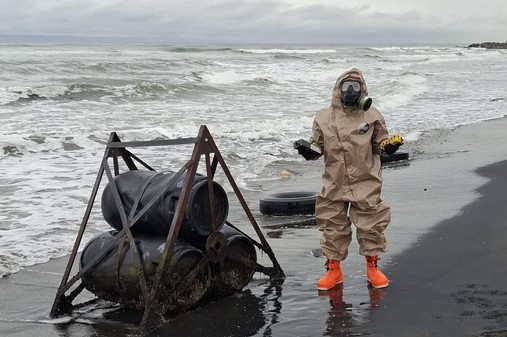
120 151
257 244
119 258
270 271
214 165
116 165
127 159
211 196
163 142
72 257
139 160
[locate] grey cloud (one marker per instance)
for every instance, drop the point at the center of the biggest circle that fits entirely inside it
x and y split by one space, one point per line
233 21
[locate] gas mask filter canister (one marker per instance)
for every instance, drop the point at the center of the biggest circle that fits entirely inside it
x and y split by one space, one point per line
364 102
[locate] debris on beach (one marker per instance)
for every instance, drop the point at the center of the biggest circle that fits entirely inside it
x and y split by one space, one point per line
317 252
171 244
283 174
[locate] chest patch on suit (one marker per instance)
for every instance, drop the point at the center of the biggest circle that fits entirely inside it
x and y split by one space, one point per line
362 128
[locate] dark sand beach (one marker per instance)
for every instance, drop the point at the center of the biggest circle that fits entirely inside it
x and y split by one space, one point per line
453 281
446 260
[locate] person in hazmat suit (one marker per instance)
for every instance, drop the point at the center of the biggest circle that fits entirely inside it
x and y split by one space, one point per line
351 135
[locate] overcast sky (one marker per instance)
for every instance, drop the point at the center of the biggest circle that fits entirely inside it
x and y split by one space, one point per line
255 21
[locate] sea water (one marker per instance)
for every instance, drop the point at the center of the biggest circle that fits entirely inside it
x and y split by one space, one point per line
59 103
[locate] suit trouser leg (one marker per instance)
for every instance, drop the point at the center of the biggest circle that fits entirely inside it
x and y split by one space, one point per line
371 222
333 221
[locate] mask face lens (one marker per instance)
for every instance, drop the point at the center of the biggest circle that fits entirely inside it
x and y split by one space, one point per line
356 86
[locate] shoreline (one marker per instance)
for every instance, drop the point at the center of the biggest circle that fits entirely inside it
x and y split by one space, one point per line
436 186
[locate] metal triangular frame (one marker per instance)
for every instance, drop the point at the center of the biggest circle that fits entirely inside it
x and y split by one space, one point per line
154 312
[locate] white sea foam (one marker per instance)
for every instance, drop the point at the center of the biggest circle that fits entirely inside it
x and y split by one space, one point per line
225 77
400 90
7 96
58 110
288 51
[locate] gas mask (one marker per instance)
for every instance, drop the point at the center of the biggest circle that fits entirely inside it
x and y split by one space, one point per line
351 95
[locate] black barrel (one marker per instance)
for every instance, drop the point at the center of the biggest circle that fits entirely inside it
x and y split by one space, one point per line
115 278
236 268
143 186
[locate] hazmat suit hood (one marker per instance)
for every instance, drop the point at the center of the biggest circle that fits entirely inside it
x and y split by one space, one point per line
352 74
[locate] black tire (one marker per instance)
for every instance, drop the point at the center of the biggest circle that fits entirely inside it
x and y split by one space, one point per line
398 155
288 203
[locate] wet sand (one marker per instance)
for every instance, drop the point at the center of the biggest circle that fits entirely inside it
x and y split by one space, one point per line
446 260
453 282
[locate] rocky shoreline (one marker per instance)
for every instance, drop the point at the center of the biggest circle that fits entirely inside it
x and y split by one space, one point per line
489 45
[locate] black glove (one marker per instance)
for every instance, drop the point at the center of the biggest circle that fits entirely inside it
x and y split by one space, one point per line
307 150
391 145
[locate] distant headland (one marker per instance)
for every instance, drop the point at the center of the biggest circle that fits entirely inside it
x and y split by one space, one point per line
489 45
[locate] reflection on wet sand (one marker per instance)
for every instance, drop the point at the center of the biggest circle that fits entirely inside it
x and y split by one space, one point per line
376 296
272 295
341 320
238 315
90 316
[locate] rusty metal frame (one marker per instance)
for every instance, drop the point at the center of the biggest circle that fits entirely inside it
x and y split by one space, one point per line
203 145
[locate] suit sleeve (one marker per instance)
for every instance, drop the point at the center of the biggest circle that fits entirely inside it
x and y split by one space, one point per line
379 133
317 137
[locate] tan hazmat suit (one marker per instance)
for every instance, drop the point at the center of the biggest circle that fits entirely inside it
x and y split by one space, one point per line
348 138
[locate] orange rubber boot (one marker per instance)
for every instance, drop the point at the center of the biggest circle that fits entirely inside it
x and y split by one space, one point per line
374 275
333 276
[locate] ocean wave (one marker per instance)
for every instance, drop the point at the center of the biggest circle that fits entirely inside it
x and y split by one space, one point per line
17 145
261 81
135 91
230 77
432 56
27 94
333 60
197 49
408 59
286 56
288 51
373 56
401 90
415 56
111 66
396 49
